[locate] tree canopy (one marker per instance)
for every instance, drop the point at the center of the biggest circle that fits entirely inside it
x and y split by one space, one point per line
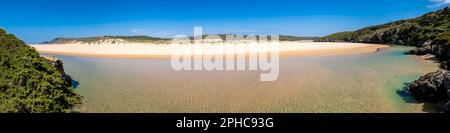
30 83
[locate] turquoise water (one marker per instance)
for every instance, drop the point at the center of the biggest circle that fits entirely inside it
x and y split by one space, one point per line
344 83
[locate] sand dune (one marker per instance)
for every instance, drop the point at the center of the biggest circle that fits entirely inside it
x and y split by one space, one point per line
165 51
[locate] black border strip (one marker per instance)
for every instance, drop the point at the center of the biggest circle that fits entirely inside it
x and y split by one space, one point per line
282 121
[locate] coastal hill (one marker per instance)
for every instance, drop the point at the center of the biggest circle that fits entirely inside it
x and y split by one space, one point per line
145 39
108 40
430 33
281 37
31 83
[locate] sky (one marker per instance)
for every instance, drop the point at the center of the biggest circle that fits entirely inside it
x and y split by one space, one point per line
35 21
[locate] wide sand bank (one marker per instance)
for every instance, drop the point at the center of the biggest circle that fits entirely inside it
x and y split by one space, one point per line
165 51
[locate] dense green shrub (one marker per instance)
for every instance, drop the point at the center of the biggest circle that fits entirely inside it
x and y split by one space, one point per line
430 32
30 83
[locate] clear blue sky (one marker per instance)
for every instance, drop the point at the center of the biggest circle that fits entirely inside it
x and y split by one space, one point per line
39 20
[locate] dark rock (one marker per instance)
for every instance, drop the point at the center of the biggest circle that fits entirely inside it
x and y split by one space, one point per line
446 107
420 51
59 65
444 65
432 87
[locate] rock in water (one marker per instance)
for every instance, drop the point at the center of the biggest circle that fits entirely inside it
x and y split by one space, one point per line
446 107
432 87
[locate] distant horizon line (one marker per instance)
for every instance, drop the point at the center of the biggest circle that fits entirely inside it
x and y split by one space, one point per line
160 37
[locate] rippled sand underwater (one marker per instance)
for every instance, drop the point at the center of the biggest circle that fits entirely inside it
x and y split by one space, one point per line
340 83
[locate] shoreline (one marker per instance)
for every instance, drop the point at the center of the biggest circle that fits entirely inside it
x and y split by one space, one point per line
286 49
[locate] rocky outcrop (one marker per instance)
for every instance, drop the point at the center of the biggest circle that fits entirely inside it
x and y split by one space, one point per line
426 48
446 107
59 65
433 87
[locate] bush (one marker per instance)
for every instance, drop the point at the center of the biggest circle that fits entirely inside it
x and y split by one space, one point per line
30 83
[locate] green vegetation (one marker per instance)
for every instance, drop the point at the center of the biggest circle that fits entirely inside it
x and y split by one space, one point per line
281 37
340 36
296 38
30 83
155 40
129 39
413 32
430 32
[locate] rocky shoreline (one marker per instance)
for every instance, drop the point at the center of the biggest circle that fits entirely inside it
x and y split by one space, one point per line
434 88
430 33
60 67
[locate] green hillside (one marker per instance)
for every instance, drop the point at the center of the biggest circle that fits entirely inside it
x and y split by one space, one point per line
155 40
30 83
281 37
430 32
129 39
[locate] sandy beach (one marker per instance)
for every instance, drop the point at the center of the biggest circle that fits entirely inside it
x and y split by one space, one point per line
165 51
